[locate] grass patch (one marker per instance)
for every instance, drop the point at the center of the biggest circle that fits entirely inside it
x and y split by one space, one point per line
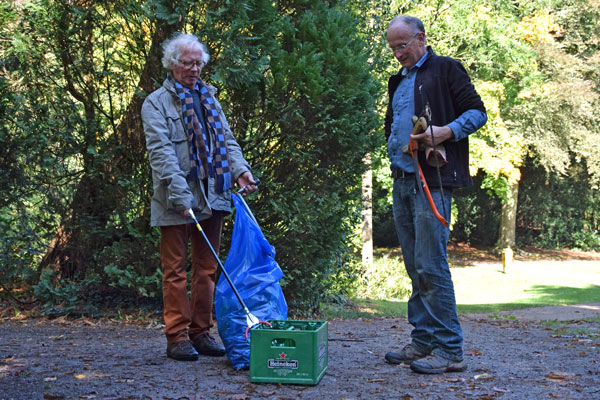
481 288
485 288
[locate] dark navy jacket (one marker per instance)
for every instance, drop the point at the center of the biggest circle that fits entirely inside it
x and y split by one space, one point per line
446 86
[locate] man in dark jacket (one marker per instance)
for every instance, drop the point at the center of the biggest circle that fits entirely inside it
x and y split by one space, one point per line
441 86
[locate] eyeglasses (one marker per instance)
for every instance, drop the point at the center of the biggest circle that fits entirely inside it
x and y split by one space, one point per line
404 46
191 64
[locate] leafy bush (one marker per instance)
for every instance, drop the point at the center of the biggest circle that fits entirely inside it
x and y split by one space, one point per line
586 240
384 229
132 266
386 278
19 250
126 275
61 297
556 213
128 279
478 214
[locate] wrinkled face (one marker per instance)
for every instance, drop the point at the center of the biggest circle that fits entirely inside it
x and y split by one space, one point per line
187 71
408 47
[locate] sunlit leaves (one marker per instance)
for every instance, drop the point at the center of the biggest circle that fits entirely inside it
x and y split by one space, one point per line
494 149
540 27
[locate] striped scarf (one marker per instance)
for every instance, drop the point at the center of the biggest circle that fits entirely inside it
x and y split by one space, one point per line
202 162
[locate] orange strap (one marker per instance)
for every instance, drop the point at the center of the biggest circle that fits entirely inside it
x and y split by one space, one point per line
421 126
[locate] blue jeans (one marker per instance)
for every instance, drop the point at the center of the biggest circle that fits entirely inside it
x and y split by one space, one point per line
423 239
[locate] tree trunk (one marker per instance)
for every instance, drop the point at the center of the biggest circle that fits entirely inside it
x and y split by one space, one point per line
367 214
507 237
74 245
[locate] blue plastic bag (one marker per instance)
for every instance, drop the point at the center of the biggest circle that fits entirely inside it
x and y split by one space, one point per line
255 274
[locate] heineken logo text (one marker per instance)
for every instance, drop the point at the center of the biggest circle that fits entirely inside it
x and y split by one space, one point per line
289 364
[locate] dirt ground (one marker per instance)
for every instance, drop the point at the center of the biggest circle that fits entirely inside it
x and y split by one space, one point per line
539 353
508 358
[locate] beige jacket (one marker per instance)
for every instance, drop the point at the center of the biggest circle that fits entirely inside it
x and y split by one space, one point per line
167 145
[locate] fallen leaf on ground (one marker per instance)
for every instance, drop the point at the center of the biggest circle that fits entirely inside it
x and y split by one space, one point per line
88 322
239 396
557 376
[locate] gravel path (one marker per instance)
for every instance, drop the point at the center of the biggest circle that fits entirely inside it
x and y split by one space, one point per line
511 355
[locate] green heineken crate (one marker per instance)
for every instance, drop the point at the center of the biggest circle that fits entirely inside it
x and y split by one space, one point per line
289 352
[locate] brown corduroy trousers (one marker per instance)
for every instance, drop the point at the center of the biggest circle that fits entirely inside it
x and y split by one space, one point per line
187 317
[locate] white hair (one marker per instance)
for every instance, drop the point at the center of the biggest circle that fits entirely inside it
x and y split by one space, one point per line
174 47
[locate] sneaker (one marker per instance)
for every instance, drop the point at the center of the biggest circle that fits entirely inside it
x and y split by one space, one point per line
408 354
434 364
182 351
208 346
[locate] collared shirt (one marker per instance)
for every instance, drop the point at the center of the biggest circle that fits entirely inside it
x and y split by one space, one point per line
403 106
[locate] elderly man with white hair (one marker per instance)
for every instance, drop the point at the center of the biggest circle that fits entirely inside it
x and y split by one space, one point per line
194 159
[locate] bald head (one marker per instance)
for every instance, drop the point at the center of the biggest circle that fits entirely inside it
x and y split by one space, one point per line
415 23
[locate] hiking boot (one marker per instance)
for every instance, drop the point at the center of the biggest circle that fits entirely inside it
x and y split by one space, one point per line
408 354
182 351
208 346
434 364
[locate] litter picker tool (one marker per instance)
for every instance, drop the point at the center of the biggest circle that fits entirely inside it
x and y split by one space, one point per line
251 320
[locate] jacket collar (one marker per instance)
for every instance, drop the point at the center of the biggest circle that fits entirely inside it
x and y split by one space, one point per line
429 51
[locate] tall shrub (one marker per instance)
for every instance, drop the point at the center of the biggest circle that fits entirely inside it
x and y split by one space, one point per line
320 106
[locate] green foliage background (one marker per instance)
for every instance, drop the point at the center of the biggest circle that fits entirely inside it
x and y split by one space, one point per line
303 86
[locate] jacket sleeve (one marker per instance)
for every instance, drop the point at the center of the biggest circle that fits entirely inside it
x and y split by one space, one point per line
389 114
388 121
463 92
162 155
